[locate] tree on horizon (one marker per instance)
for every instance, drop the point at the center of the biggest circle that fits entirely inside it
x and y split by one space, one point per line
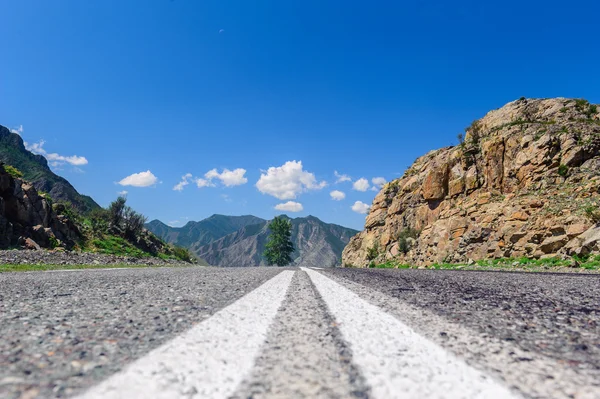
279 246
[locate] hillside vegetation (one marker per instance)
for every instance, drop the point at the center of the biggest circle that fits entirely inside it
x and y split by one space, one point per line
32 219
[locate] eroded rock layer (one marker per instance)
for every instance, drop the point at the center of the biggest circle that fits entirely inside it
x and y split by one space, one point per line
525 182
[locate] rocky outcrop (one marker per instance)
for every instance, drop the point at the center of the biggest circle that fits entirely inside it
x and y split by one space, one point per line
525 182
27 219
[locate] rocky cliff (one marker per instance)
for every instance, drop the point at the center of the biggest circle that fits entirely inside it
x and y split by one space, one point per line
35 170
28 219
524 182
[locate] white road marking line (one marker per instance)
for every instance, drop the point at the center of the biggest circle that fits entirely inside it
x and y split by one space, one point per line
317 268
396 361
208 361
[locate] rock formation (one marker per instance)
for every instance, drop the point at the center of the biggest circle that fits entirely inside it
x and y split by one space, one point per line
524 182
27 219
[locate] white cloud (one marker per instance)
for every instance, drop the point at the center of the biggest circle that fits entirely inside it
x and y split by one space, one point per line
17 130
290 206
337 195
287 181
341 178
184 182
226 198
54 158
378 182
232 178
361 184
204 183
73 159
142 179
228 178
36 148
360 207
221 30
123 193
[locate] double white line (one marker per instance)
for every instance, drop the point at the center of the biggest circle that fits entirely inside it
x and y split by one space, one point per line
212 359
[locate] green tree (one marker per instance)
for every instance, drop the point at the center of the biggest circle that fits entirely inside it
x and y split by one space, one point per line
279 246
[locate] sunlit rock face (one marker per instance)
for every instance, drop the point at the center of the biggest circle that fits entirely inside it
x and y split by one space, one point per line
525 182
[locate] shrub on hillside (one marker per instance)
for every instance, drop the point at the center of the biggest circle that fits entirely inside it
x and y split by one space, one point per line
14 172
593 213
116 210
405 239
182 254
373 252
133 222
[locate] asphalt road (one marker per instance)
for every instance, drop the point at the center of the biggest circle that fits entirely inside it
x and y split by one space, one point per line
305 333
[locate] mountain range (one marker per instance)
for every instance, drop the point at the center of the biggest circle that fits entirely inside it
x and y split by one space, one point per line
240 240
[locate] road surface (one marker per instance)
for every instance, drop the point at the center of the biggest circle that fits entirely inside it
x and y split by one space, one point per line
298 333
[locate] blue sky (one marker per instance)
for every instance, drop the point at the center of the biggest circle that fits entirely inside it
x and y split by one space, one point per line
183 86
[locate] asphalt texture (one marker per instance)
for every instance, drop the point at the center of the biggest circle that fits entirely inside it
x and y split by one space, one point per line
304 355
538 332
62 332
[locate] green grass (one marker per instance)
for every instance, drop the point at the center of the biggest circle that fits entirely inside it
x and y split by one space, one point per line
591 263
33 268
524 263
113 245
388 265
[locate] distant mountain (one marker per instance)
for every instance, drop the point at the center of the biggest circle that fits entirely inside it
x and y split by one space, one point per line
202 232
317 243
35 170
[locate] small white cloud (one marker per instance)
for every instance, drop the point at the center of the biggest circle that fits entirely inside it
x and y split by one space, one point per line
341 178
142 179
123 193
378 182
73 160
184 182
361 184
18 130
360 207
232 178
36 148
54 158
221 30
290 206
228 178
337 195
287 181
